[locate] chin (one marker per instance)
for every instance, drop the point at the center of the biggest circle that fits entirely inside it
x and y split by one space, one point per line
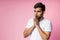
38 16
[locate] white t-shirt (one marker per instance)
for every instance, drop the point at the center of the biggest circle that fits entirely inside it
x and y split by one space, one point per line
45 25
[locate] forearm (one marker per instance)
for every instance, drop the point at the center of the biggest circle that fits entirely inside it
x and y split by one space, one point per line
28 31
41 32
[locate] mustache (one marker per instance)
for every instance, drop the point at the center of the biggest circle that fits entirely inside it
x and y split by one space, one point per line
38 18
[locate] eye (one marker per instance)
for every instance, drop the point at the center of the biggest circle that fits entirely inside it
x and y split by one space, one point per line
38 11
34 11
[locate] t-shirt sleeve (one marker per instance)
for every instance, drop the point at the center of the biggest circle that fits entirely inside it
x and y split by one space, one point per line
48 26
29 23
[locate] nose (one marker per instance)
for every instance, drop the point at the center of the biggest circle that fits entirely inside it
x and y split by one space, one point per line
36 12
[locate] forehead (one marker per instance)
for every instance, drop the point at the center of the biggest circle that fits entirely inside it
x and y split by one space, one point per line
37 9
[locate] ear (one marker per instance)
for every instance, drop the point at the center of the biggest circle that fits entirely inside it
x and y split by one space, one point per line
43 12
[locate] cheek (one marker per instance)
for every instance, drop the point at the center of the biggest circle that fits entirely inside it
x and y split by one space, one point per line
39 14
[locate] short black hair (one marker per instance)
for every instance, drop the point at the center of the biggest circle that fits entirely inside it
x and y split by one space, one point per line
41 5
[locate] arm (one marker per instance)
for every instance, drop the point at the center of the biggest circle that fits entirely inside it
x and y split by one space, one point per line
44 35
28 31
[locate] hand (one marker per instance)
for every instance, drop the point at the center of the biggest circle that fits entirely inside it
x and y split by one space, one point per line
36 22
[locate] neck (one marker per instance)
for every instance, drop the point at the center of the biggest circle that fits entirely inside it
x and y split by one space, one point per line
40 19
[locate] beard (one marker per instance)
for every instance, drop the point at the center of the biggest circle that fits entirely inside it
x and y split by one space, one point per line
39 17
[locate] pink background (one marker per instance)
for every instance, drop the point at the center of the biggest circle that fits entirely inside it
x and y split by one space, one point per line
14 15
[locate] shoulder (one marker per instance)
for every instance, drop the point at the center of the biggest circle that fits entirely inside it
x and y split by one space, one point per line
47 25
30 23
31 20
47 21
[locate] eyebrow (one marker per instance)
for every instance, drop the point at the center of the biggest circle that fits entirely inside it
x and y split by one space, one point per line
37 11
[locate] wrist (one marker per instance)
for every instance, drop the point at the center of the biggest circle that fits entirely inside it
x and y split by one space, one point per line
37 25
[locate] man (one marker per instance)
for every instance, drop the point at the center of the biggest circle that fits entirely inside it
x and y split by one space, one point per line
38 27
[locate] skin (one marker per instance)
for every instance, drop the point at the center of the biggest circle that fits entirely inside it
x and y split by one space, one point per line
38 17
